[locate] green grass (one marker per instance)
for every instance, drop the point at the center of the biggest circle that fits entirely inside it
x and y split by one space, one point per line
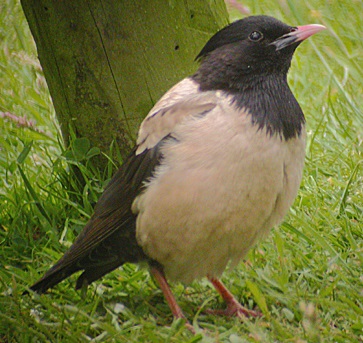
306 277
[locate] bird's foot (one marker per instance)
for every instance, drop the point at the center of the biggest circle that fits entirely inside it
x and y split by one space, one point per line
164 286
235 309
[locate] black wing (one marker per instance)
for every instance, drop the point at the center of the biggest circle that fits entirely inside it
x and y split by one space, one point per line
109 238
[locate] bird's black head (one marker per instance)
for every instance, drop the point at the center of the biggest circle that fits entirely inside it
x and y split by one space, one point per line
249 60
252 47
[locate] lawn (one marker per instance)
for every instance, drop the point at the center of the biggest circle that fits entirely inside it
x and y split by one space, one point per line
306 277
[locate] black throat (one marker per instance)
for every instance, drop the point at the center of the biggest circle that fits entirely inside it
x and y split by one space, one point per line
267 98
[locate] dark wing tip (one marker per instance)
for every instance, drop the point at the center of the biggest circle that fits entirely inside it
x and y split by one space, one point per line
52 277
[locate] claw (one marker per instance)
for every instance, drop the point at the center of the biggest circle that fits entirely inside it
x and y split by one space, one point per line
234 308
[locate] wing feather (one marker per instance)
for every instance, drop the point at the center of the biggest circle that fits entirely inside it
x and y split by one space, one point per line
109 238
182 101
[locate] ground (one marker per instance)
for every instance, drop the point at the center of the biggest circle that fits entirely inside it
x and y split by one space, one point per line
306 277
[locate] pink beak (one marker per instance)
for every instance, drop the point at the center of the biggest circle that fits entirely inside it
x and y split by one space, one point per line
299 34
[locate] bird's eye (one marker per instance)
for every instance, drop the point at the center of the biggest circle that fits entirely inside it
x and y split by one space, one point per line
255 36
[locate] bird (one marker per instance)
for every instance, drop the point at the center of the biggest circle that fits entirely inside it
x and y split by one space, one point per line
217 163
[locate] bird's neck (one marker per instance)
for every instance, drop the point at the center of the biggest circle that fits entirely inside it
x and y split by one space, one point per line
269 101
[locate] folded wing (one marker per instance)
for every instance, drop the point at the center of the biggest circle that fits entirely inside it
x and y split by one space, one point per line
109 238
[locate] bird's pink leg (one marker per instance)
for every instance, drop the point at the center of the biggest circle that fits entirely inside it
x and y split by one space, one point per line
234 308
169 296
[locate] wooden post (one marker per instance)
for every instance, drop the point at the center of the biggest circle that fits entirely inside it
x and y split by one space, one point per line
107 62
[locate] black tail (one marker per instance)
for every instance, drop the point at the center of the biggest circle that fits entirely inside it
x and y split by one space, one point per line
56 275
109 238
52 278
95 263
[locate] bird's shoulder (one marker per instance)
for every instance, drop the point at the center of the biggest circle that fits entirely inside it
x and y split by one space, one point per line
181 101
